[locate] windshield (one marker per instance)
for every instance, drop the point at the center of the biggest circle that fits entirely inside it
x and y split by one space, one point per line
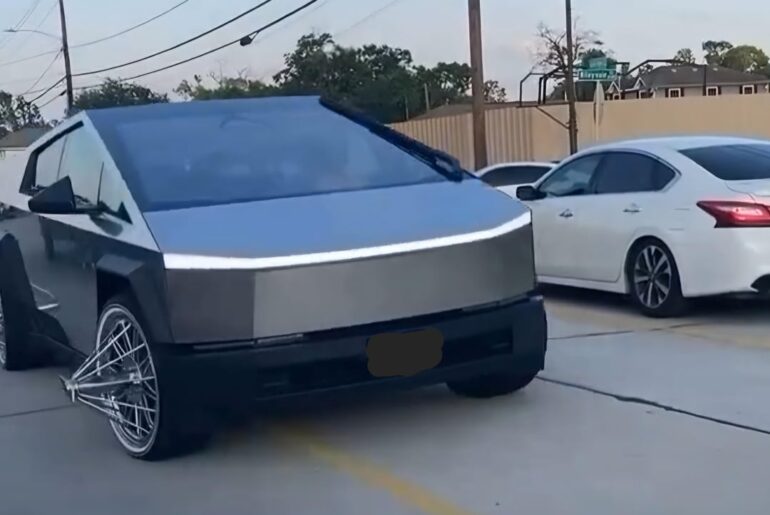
229 152
734 162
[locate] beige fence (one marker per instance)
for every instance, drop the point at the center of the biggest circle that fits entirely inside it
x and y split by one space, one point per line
538 133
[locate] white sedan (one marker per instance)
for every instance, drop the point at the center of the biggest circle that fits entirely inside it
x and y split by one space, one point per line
507 177
662 220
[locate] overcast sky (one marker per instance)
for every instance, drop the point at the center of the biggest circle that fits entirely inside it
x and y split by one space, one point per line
434 30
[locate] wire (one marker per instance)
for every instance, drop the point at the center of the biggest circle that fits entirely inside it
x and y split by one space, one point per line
47 68
95 41
367 18
178 45
51 100
24 17
45 91
132 28
217 49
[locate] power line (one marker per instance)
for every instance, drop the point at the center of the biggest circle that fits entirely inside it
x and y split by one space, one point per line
243 40
52 99
45 91
132 28
27 35
47 68
367 17
24 17
95 41
178 45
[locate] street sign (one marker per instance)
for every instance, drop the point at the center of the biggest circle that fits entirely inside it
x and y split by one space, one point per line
594 75
597 63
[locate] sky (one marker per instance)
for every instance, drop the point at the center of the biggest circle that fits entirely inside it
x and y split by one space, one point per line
434 30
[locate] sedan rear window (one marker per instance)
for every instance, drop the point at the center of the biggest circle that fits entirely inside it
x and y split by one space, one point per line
744 162
240 151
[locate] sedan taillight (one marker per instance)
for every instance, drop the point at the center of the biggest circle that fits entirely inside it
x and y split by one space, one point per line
737 214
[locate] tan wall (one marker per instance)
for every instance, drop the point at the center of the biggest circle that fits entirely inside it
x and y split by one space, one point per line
527 133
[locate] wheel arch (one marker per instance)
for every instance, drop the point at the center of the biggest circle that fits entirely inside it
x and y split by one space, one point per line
638 240
116 275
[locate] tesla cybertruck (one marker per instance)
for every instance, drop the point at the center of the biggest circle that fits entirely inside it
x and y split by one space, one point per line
184 257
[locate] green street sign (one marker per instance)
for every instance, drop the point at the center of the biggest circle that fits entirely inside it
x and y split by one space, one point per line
598 63
596 74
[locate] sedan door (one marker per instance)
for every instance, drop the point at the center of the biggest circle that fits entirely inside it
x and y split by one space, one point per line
627 200
558 218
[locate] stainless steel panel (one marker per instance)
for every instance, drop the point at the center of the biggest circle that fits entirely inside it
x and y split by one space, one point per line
221 305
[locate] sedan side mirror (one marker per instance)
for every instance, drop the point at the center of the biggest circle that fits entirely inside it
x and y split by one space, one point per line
529 193
59 199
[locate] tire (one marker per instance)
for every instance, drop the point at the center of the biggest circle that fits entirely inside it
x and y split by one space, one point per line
168 433
493 386
653 280
12 355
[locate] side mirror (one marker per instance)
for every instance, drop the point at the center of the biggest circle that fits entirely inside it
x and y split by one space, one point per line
528 193
59 199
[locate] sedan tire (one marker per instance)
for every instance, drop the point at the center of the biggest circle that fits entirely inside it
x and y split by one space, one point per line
493 386
653 279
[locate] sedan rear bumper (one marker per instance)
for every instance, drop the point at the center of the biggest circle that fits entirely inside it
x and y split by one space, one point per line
495 340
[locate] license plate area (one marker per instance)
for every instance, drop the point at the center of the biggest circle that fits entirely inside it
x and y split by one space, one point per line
404 354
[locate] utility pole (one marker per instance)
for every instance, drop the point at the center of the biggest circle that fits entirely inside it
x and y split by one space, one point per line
570 82
427 97
477 72
66 52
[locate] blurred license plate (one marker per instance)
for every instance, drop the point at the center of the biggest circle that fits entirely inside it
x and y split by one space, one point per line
404 354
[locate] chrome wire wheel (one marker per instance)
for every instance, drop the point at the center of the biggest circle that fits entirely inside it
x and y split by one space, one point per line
2 337
119 380
653 277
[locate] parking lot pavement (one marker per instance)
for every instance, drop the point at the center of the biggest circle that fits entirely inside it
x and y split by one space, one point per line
590 441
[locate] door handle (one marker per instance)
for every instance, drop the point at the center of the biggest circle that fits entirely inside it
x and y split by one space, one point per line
566 214
632 209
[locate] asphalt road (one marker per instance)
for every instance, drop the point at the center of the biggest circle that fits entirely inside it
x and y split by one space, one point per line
631 416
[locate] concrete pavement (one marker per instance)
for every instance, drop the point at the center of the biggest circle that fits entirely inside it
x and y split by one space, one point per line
554 448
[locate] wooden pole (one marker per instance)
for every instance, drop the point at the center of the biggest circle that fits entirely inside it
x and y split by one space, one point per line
477 71
570 81
66 52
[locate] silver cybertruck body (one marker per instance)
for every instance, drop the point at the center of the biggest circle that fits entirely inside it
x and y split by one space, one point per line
207 253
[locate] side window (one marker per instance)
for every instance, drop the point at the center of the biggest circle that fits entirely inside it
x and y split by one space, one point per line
112 193
623 172
514 175
573 178
47 165
82 162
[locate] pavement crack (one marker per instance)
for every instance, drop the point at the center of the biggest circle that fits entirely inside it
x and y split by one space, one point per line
657 405
36 411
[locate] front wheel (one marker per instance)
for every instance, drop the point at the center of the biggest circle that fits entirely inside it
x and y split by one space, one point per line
654 281
494 385
123 369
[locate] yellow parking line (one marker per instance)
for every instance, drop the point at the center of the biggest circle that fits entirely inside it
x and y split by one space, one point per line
369 473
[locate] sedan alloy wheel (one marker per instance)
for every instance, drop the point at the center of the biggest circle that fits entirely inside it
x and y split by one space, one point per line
653 276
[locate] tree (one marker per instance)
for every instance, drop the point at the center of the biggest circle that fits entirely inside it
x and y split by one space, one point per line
552 47
715 50
746 58
685 55
494 93
17 113
114 93
225 87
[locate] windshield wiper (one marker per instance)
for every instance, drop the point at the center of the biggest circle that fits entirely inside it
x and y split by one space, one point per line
442 162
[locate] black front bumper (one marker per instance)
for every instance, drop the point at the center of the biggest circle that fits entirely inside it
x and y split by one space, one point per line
484 342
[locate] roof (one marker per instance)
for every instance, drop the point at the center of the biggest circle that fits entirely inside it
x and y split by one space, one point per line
22 138
675 142
689 75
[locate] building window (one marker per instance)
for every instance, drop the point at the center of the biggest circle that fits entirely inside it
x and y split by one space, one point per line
712 91
674 93
616 96
749 89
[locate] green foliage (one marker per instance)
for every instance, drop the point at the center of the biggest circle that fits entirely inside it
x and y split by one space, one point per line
378 79
113 93
17 113
685 55
746 58
715 50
